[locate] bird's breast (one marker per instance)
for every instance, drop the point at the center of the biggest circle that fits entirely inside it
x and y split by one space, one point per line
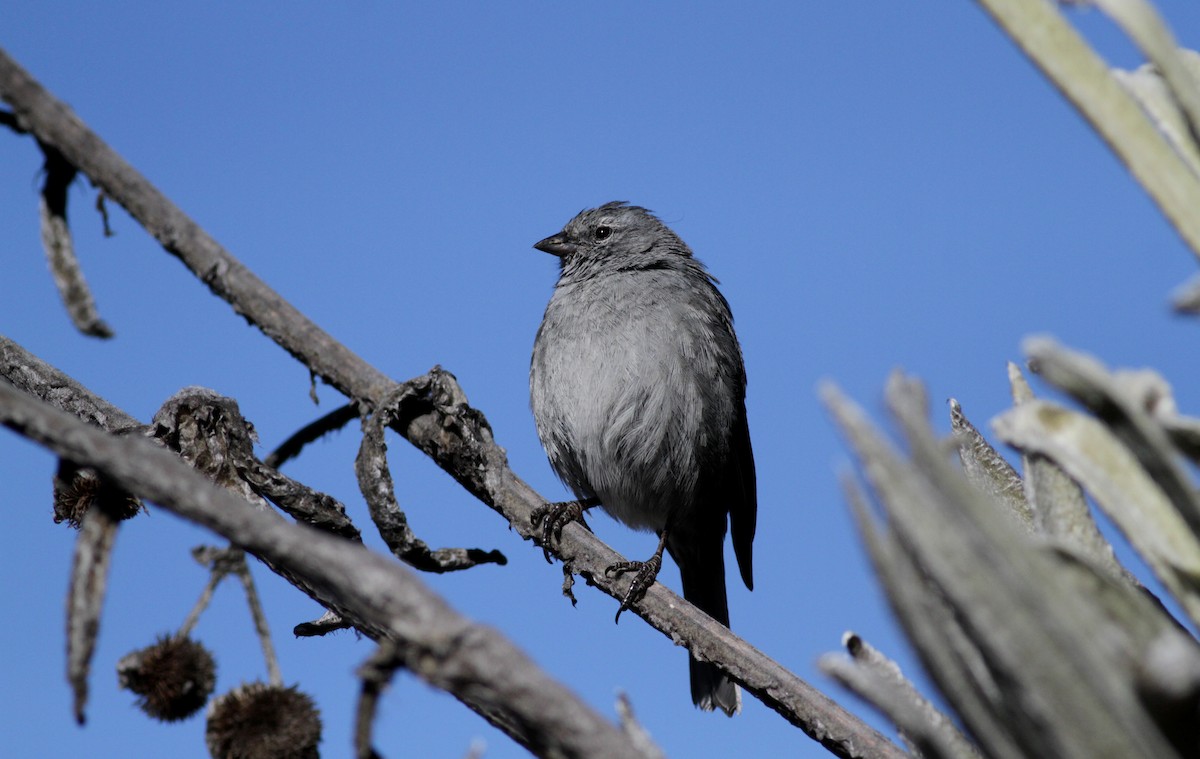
629 401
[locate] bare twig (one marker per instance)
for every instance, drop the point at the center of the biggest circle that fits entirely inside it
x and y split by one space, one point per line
223 562
635 730
469 660
327 623
376 674
440 423
217 561
60 249
43 381
375 482
290 448
260 621
85 598
9 119
102 209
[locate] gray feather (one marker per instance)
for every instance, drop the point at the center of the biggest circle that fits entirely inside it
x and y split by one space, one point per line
638 391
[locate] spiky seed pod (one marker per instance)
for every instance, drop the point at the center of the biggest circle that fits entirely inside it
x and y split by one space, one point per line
77 489
172 678
260 721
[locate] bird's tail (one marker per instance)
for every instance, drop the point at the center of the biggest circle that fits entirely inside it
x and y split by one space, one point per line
704 586
711 689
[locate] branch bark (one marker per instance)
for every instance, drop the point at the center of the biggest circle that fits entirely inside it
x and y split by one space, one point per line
442 424
469 660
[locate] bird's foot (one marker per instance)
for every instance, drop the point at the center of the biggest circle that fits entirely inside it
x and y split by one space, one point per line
552 517
645 574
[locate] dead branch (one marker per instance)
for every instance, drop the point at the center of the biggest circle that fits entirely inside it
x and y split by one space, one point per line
439 646
440 423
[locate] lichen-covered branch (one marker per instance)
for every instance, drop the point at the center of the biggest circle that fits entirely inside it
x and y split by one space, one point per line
439 646
375 483
439 422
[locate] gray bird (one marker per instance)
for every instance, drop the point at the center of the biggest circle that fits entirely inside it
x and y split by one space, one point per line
638 392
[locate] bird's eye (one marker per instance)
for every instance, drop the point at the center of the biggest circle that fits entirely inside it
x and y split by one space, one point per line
603 233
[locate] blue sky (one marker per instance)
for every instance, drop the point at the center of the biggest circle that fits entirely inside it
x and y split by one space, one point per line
875 185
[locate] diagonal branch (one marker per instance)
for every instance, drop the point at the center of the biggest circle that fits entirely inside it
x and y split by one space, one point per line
53 123
440 423
443 648
793 698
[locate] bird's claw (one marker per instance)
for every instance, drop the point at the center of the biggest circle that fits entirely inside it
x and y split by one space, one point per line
551 518
645 574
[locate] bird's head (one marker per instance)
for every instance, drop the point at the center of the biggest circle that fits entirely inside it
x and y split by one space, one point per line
616 235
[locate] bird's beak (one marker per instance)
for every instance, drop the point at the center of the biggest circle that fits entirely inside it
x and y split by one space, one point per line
556 245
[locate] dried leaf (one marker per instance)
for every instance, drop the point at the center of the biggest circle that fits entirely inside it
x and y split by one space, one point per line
85 598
